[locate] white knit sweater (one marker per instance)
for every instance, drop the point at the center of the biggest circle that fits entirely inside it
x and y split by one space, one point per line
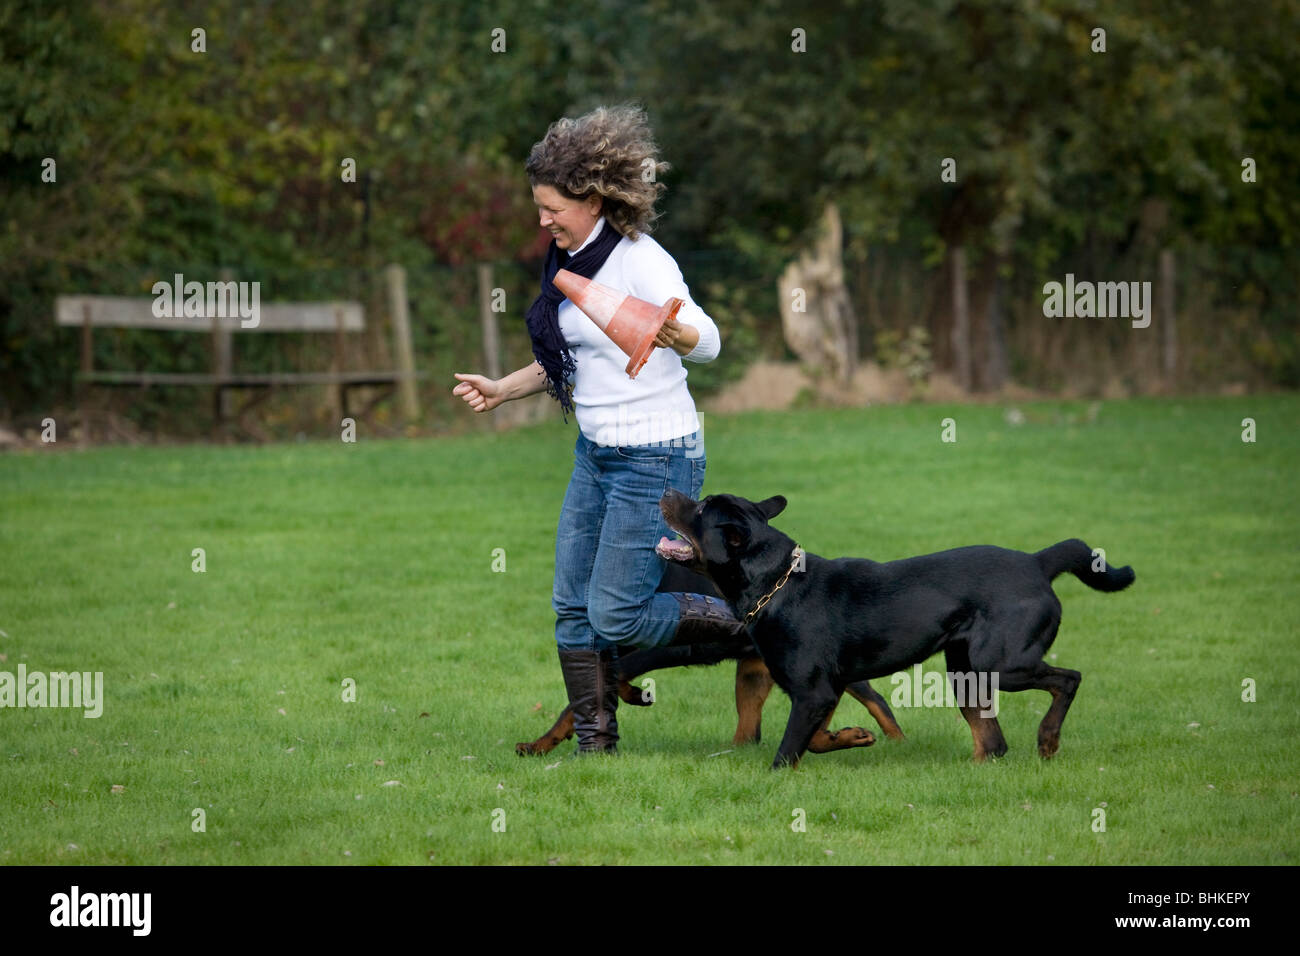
656 406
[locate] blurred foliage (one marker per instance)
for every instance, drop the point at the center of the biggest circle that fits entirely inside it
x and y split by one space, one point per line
909 352
171 160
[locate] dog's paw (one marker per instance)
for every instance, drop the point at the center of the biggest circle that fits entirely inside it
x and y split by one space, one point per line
825 741
634 696
1049 742
855 736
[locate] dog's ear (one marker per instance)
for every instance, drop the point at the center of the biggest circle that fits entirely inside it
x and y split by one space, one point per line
772 506
735 535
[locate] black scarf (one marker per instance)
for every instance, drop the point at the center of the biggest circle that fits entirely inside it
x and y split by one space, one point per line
544 314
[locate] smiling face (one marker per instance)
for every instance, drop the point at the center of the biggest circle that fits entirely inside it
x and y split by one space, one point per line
570 221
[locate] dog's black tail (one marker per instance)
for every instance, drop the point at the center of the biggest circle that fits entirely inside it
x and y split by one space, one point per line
1077 558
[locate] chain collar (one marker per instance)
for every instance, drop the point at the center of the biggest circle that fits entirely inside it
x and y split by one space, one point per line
796 556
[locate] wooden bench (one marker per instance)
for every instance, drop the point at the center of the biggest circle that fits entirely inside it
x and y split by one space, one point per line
97 311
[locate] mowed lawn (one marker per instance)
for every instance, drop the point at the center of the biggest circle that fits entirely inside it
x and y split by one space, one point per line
329 563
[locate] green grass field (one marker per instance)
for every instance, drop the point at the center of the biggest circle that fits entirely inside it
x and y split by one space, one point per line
374 562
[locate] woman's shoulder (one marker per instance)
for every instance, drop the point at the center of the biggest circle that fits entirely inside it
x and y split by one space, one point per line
649 271
645 249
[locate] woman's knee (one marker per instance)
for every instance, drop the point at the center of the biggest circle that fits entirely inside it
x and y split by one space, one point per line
618 624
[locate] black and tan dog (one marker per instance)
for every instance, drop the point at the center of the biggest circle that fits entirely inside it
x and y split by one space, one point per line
753 684
822 624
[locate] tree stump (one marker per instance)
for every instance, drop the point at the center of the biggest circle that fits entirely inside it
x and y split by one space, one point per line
816 313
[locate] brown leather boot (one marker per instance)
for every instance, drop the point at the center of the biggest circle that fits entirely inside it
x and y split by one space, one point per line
593 695
706 620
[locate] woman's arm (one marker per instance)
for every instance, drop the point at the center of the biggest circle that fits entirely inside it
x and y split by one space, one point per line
484 394
529 380
653 276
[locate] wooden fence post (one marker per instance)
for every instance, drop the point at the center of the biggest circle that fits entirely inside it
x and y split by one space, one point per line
395 277
222 361
87 366
488 319
1168 330
340 364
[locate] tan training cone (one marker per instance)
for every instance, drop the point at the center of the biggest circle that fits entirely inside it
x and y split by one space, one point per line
631 322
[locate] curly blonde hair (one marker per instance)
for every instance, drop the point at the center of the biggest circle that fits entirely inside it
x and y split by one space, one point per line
610 151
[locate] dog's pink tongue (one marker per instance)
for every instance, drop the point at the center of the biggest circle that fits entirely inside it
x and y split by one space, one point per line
672 549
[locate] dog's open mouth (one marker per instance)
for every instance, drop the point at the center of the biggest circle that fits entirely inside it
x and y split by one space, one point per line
678 549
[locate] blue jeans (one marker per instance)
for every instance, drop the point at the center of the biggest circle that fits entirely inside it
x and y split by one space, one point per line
606 568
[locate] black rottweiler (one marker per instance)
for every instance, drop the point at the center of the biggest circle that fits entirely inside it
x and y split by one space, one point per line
753 684
821 624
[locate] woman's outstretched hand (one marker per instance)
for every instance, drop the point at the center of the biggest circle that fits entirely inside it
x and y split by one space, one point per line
480 393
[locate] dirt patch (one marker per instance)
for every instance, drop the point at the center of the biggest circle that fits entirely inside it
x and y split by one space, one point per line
772 386
764 386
